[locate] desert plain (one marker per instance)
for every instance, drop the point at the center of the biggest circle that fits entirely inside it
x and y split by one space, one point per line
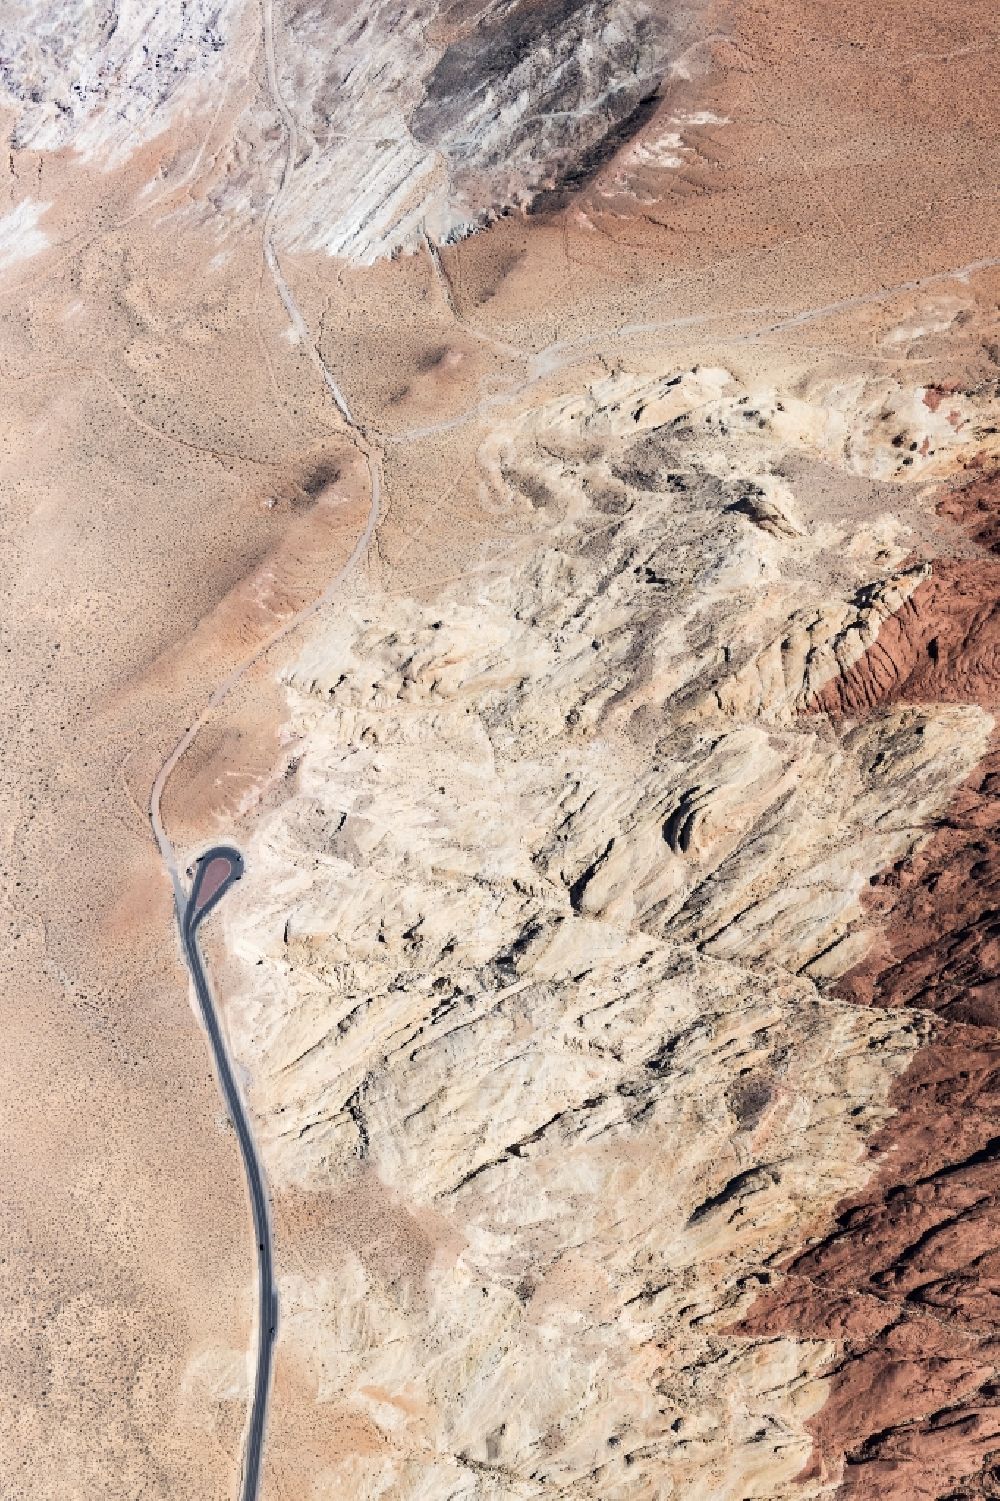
527 476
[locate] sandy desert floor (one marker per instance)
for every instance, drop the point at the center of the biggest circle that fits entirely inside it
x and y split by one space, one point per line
613 981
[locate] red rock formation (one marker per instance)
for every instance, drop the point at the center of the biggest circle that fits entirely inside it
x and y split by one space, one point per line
908 1277
975 507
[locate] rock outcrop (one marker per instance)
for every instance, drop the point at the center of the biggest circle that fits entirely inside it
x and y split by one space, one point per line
484 460
535 957
464 111
905 1277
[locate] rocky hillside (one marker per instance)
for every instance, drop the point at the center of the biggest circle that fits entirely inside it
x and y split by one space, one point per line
539 942
523 472
462 111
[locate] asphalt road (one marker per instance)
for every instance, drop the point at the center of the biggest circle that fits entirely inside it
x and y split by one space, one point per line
216 871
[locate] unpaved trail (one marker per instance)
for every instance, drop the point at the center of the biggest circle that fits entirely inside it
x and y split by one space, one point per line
557 356
186 910
541 365
357 434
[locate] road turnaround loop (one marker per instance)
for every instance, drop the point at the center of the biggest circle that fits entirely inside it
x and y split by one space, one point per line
216 870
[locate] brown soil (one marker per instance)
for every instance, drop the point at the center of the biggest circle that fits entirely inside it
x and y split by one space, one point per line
154 406
908 1276
216 872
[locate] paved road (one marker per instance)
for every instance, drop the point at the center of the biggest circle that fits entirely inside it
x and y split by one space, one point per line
219 868
216 871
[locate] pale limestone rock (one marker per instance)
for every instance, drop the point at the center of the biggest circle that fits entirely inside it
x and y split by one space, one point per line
533 952
105 79
216 1375
20 233
409 122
